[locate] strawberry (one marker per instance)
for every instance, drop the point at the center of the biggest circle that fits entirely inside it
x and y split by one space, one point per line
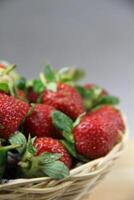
39 122
51 145
41 157
21 94
31 95
65 99
98 132
2 66
12 113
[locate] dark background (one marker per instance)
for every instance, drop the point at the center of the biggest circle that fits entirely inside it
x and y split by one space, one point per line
97 35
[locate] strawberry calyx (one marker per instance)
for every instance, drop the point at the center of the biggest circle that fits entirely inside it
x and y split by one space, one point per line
93 97
49 78
65 124
33 165
9 79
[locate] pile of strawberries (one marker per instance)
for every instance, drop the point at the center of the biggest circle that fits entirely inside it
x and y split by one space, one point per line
51 123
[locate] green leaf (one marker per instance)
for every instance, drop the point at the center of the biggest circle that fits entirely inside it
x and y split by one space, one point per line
9 69
21 83
110 100
4 87
3 159
62 121
92 93
19 138
49 73
56 170
90 96
68 136
70 147
31 109
30 148
38 86
52 86
48 157
70 74
78 120
82 91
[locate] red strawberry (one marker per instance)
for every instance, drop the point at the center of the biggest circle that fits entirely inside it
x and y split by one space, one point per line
91 85
21 94
39 122
12 112
65 99
2 66
51 145
31 95
98 132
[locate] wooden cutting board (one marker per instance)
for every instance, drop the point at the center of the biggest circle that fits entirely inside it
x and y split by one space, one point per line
119 183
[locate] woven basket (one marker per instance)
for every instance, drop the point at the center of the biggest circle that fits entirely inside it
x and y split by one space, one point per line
81 181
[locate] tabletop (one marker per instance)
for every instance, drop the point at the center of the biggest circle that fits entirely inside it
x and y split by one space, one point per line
119 183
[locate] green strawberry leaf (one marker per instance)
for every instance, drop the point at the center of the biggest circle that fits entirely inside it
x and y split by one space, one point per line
70 147
3 159
110 100
90 97
8 69
56 170
19 139
48 157
64 124
72 150
68 136
82 91
4 87
70 74
92 93
31 109
52 86
62 121
38 86
49 74
21 83
30 148
78 120
47 164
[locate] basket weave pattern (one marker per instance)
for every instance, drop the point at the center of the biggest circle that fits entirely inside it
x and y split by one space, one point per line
81 181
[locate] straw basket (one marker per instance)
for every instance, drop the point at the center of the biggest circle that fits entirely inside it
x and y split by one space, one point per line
81 181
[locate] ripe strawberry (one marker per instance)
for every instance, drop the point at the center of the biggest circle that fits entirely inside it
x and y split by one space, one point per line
31 95
12 112
51 145
2 66
39 122
98 132
21 94
65 99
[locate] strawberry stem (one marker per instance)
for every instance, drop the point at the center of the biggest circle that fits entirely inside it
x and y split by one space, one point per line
9 69
23 164
42 78
10 147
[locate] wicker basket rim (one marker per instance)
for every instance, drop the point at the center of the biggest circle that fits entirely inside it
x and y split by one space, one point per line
117 149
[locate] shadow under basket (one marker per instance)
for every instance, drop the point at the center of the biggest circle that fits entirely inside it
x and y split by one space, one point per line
76 186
